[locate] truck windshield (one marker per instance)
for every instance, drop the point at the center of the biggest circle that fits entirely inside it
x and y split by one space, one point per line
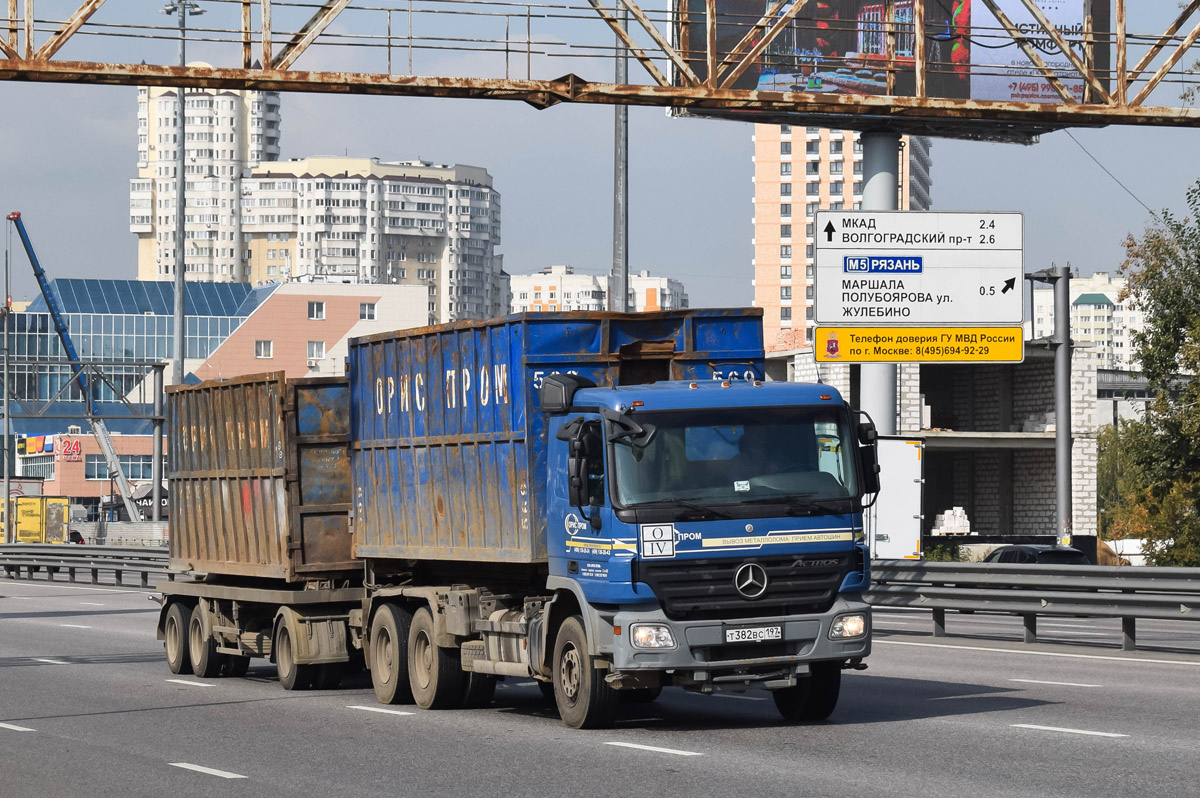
789 455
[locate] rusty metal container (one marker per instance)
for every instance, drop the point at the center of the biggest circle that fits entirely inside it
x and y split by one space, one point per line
259 477
448 454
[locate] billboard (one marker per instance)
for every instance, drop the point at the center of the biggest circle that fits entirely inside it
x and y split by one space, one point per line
840 46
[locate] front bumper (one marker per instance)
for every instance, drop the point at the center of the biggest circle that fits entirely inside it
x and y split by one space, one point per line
702 659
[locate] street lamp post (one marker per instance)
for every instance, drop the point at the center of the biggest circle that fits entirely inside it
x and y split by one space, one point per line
182 10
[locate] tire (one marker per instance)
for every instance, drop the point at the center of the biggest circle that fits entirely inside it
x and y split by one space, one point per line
584 699
640 695
815 697
435 673
235 666
329 675
478 690
175 638
202 648
291 675
389 654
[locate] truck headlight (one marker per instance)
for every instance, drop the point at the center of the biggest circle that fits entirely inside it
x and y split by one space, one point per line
848 626
652 635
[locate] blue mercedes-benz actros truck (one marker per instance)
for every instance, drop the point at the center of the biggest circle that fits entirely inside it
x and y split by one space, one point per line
605 503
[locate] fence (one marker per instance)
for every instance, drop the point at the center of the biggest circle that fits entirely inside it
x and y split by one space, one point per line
29 559
1032 591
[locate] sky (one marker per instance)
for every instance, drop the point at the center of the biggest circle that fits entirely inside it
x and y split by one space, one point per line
67 154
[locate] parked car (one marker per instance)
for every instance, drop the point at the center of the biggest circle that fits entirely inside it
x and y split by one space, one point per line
1037 554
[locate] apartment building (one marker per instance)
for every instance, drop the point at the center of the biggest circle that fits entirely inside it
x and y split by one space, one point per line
252 218
226 133
1099 318
798 171
561 288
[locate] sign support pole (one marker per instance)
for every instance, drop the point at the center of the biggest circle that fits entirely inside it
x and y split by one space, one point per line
1061 275
881 192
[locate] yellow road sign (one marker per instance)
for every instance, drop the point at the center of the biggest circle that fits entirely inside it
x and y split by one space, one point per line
919 345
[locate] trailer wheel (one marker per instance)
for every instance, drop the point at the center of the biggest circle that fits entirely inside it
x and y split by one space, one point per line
585 700
291 675
236 666
329 675
813 698
175 637
435 673
202 648
478 690
389 654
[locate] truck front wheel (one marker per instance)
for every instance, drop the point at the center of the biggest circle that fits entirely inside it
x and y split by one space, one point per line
584 699
815 697
435 673
175 638
389 654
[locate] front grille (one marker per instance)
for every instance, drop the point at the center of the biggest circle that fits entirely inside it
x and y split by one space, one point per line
696 590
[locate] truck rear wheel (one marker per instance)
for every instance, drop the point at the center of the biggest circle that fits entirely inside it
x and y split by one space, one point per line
389 654
236 666
584 699
813 698
435 673
202 648
478 690
175 637
291 675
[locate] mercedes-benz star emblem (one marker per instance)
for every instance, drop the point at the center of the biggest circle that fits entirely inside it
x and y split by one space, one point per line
751 580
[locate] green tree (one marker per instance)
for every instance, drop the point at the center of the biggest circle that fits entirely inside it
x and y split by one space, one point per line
1151 473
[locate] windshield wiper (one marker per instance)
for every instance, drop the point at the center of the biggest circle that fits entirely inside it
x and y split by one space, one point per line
797 504
707 511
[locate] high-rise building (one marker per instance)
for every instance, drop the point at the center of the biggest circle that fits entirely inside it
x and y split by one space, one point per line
561 288
250 217
1100 318
798 171
227 133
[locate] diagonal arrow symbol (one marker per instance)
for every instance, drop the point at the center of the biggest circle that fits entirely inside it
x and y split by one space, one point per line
1009 284
829 231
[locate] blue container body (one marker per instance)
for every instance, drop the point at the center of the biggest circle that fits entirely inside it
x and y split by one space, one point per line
449 453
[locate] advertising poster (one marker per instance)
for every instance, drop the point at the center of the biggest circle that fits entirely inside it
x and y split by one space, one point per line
840 46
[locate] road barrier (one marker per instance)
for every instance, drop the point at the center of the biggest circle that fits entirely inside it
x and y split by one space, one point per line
31 558
1039 590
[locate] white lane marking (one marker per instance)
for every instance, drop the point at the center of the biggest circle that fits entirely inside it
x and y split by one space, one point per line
188 682
74 626
1064 633
1059 684
381 709
21 598
225 774
879 623
91 604
739 697
50 661
526 684
58 586
1066 731
656 749
14 727
1134 660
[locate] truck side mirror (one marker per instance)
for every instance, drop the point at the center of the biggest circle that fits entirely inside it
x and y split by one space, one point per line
868 457
577 487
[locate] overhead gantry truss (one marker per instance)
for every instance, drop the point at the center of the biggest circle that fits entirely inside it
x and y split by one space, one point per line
265 44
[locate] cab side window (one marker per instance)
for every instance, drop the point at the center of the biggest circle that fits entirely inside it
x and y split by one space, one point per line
593 442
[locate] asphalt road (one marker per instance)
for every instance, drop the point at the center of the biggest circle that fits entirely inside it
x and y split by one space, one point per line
88 708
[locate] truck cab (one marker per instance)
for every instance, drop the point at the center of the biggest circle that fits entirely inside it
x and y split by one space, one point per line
713 529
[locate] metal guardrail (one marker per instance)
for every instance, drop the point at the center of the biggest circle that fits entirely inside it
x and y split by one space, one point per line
1039 590
32 558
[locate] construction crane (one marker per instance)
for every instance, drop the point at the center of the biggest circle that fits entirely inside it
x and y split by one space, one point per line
97 425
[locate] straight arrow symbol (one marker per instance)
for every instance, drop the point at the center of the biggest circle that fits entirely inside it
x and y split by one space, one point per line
829 231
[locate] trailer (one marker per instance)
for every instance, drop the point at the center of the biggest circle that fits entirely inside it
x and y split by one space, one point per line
603 503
